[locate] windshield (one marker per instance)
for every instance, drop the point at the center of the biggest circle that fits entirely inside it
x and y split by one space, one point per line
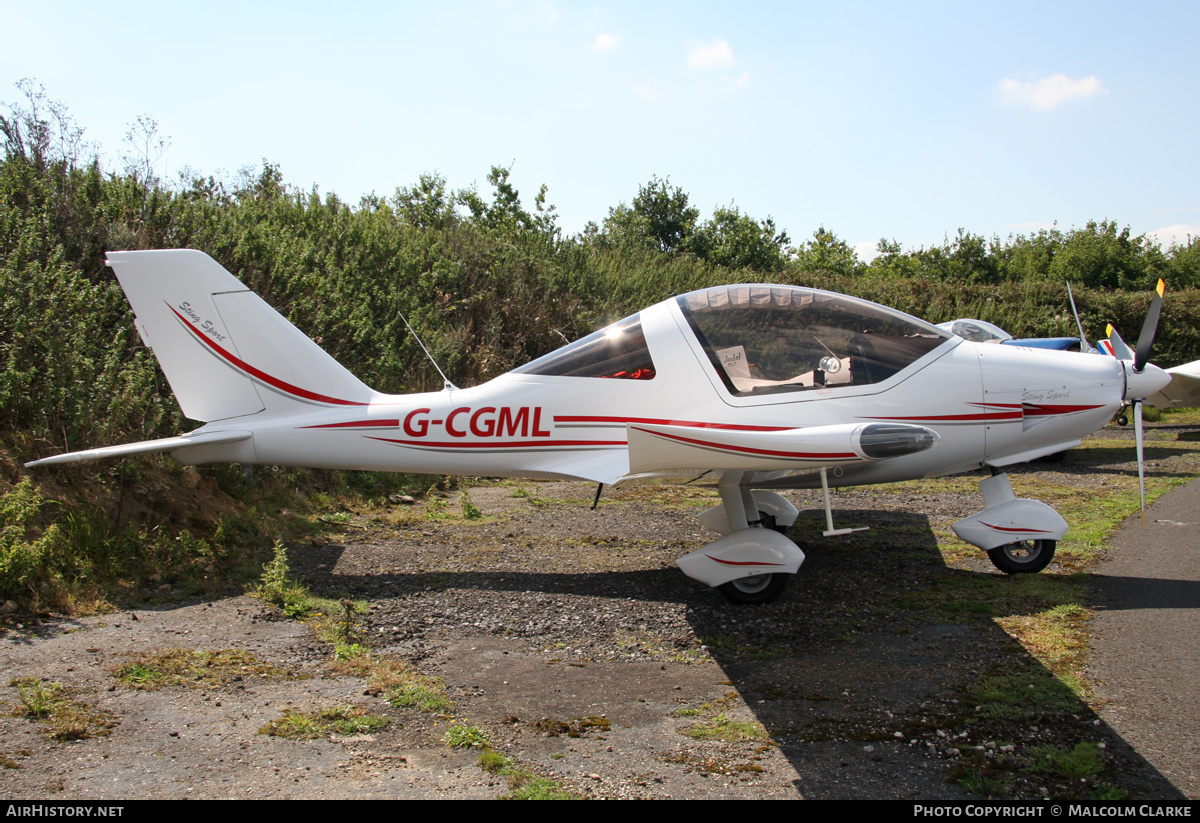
768 339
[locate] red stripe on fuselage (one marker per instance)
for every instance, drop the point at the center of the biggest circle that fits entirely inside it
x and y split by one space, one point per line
982 417
663 422
274 382
1041 410
356 424
493 444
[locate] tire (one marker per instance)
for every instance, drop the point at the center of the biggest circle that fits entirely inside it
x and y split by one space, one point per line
758 588
1023 557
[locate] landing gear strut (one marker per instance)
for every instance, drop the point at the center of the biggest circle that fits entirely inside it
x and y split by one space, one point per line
1019 535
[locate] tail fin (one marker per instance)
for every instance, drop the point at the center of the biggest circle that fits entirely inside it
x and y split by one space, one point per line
225 352
1115 346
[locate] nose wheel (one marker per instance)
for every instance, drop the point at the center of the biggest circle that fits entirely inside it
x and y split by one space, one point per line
759 588
1024 556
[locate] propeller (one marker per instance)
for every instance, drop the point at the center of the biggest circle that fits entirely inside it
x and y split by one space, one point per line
1141 378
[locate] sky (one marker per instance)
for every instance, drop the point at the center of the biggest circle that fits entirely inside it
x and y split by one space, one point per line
903 121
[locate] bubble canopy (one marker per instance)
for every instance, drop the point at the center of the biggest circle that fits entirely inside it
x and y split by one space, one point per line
763 339
767 339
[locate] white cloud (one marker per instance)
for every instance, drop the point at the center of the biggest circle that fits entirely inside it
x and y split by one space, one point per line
867 250
1049 91
707 55
1176 234
604 42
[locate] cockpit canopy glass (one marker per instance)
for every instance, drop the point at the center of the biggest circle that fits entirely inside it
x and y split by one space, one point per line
617 352
977 331
769 339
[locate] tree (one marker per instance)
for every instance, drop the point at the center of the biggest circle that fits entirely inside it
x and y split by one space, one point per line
147 147
41 132
736 240
827 252
1102 255
660 218
505 215
427 205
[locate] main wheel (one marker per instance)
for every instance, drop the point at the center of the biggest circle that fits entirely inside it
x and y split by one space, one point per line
1023 557
759 588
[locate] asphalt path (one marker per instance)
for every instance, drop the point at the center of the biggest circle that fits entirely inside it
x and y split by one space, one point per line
1146 637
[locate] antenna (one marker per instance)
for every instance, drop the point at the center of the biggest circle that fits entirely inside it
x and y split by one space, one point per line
446 384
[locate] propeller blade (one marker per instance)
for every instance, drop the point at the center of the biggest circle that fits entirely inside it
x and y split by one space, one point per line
1137 424
1085 346
1149 328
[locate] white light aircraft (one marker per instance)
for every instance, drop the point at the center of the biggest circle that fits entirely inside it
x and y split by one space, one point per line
764 387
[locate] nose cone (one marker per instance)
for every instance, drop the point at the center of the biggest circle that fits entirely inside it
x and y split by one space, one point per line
1148 381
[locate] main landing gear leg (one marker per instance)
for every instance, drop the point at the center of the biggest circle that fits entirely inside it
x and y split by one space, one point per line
750 564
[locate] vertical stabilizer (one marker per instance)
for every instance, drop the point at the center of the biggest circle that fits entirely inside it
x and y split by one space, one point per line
225 352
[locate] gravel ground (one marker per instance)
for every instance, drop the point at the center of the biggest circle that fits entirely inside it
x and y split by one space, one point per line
545 614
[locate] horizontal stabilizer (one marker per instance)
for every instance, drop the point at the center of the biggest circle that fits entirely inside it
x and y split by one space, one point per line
658 448
1183 390
165 444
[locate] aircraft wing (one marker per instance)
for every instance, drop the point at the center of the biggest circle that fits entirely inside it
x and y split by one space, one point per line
664 448
1183 390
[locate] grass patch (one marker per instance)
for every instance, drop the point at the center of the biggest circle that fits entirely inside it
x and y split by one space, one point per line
725 729
279 589
425 693
340 720
978 779
334 621
1055 636
466 736
469 510
1085 760
397 683
956 596
63 717
522 784
187 668
1025 697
